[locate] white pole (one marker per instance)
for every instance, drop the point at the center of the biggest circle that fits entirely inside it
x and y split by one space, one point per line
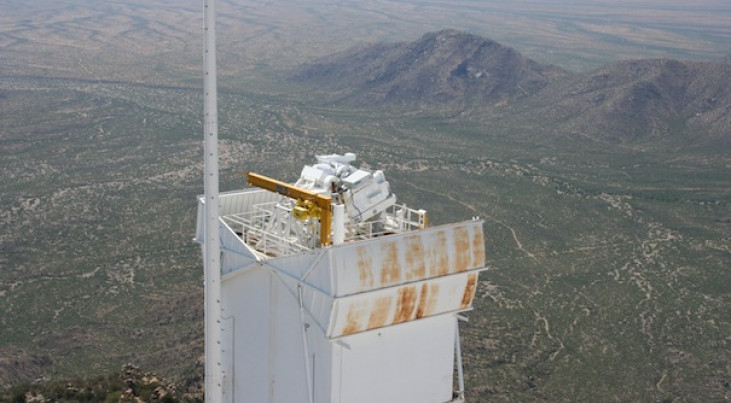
212 250
338 224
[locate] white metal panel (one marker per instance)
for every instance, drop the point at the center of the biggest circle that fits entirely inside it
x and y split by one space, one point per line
319 306
389 306
236 255
266 360
246 312
310 266
242 200
287 377
316 303
234 202
409 363
396 259
311 270
321 364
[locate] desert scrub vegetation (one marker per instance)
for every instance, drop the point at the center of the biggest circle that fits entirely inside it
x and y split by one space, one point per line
129 385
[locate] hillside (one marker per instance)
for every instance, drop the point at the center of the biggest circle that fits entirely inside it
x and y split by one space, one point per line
629 100
644 98
445 67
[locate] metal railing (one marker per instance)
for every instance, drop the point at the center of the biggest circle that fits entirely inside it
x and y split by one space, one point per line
271 229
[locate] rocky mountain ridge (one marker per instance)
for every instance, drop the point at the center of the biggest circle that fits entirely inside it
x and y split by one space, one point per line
645 98
624 101
441 67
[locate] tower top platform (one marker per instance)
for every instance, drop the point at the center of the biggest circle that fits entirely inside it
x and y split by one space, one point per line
278 219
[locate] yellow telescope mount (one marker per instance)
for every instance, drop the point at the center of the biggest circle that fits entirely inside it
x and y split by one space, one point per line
309 204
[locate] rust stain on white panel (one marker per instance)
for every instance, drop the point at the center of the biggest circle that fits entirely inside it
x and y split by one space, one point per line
380 313
478 246
415 265
398 259
427 303
390 266
462 255
353 322
404 303
439 251
469 291
365 267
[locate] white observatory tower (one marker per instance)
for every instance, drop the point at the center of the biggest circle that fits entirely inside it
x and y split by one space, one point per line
333 292
327 290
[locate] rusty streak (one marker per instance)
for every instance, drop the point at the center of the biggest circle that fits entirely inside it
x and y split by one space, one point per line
478 248
423 296
469 290
390 268
365 268
379 313
405 304
442 254
415 266
462 249
352 322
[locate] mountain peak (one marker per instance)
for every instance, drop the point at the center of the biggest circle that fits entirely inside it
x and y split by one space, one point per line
447 66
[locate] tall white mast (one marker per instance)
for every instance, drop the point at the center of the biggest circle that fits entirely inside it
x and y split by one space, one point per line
211 251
